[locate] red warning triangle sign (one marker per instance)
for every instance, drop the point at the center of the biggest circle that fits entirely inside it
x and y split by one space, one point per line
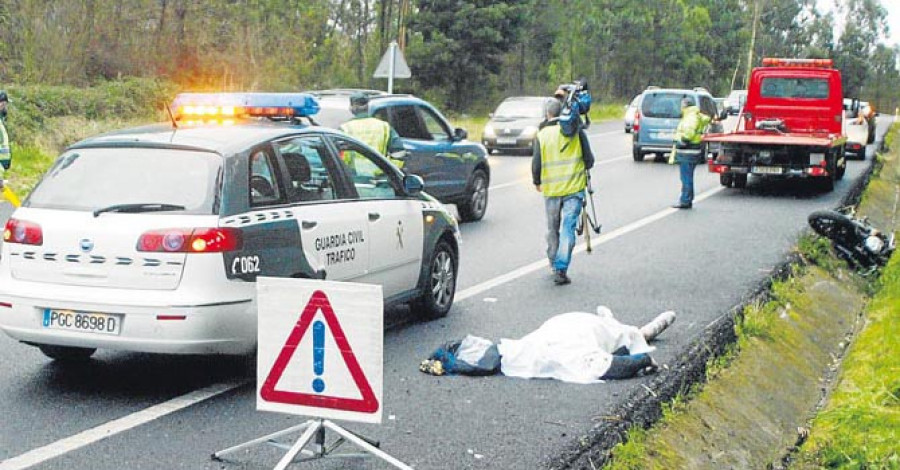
367 404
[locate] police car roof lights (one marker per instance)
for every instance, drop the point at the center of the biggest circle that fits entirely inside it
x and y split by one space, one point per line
242 105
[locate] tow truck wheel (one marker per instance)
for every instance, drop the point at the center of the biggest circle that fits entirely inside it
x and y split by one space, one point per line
726 180
66 353
440 284
740 181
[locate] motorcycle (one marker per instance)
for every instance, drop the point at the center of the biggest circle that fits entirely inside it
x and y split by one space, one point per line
855 239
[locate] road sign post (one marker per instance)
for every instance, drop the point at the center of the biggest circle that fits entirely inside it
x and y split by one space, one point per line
320 354
392 65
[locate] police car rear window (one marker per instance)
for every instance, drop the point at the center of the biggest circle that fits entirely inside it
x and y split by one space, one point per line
662 105
92 178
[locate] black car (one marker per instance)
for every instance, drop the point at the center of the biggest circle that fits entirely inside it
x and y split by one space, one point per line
455 170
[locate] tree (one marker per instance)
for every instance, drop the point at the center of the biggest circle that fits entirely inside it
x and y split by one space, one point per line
459 44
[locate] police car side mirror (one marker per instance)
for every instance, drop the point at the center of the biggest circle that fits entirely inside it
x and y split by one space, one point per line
460 134
413 185
723 114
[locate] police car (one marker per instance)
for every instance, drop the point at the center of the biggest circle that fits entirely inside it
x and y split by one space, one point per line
149 239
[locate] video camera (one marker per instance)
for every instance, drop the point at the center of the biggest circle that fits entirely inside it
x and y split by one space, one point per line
576 103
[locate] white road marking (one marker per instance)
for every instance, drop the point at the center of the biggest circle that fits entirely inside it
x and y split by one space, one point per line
125 423
90 436
528 180
604 238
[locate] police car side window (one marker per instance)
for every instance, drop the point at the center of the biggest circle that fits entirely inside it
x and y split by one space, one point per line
308 177
370 175
263 183
435 126
408 124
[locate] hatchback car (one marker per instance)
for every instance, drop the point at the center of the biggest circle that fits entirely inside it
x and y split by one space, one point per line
150 239
455 170
514 124
659 115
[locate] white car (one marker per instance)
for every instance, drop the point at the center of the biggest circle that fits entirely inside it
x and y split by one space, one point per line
150 239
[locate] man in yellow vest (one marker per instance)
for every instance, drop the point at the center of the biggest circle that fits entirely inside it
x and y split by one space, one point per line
689 143
371 131
5 156
559 167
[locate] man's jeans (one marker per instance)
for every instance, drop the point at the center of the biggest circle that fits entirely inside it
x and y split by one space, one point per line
687 181
562 216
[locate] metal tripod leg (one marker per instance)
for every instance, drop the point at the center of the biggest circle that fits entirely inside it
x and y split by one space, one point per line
218 455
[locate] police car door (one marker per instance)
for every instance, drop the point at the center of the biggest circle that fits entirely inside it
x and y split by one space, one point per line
395 223
333 241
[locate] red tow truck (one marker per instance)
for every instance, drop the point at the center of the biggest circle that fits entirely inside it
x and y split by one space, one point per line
792 126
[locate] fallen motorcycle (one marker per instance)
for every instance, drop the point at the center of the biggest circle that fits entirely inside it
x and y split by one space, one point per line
855 239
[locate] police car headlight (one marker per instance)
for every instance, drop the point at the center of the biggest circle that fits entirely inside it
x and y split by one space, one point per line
529 131
489 131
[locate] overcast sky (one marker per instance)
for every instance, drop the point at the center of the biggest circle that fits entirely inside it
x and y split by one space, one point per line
893 18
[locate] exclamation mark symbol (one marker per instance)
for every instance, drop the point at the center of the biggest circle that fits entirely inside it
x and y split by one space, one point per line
318 355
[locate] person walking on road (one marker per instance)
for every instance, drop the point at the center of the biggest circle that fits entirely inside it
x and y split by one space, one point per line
372 131
5 155
559 166
689 148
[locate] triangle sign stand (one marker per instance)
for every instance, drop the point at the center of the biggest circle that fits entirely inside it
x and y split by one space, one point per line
319 303
315 428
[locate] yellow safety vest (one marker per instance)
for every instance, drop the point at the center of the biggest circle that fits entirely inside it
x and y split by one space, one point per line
372 131
691 125
562 165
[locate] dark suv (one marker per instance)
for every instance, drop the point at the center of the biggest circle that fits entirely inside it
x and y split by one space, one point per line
455 170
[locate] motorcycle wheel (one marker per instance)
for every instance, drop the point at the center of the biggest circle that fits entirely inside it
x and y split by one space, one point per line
834 226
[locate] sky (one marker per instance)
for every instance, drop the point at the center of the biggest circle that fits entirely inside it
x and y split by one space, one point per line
893 18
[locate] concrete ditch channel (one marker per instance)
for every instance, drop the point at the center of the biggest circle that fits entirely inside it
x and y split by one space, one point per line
746 402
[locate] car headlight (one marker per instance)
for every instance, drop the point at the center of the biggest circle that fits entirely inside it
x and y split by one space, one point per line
529 131
489 131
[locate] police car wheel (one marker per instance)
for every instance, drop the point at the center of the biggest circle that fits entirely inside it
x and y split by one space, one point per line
66 353
476 203
440 284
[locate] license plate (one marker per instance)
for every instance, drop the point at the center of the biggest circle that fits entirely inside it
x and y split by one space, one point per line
506 141
664 135
87 322
768 170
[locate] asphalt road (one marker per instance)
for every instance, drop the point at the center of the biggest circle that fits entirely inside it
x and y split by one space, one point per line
152 412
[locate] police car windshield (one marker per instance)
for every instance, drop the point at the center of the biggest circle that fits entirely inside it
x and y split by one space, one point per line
130 180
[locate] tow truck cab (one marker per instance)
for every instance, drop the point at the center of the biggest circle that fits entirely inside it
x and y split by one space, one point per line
792 126
805 95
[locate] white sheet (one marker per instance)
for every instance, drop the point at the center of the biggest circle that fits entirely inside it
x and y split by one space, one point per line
572 347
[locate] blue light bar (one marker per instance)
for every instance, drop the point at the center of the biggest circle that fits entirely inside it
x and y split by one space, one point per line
219 105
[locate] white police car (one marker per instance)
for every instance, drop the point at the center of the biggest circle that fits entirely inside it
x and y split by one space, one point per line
148 239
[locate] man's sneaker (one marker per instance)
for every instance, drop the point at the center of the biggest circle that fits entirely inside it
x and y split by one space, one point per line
560 278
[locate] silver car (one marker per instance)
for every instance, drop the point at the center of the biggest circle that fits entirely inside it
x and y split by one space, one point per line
514 124
630 111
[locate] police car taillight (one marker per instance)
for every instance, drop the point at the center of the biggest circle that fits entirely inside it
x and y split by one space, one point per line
226 106
23 232
186 240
